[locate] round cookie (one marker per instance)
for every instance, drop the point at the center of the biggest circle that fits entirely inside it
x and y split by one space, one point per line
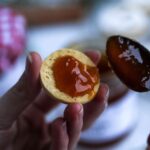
70 76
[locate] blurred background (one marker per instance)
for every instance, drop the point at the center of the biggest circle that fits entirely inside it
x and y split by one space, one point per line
48 25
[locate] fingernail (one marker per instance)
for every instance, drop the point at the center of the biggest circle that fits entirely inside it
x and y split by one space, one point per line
28 62
105 91
103 95
29 57
79 108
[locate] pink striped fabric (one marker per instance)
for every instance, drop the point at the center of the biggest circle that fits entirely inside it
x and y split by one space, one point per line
12 37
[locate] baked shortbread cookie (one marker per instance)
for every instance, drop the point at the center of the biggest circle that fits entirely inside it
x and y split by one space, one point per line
70 76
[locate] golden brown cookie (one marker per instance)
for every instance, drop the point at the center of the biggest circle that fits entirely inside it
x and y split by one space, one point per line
70 76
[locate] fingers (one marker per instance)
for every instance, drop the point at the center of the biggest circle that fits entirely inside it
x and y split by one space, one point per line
45 103
7 136
65 132
94 55
35 117
93 109
148 142
59 136
22 94
74 117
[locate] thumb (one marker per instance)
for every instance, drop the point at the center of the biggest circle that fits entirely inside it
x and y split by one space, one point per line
22 93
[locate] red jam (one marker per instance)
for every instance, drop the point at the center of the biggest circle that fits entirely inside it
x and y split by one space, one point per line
73 77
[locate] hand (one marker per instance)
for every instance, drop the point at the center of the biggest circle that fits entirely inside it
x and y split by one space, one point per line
24 106
148 141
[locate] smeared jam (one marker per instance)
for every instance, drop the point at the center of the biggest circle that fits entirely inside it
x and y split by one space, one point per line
130 61
73 77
